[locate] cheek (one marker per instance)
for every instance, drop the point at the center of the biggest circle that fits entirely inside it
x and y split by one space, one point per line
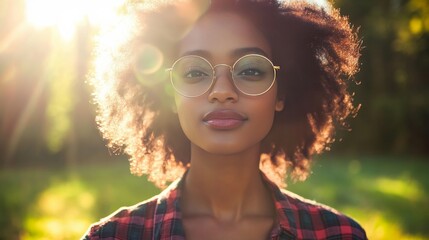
265 106
264 112
263 116
187 113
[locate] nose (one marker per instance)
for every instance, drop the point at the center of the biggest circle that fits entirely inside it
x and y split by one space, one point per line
223 88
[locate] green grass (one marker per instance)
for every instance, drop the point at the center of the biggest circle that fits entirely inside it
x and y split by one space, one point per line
388 197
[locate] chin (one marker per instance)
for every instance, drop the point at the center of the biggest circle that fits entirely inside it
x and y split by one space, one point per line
224 149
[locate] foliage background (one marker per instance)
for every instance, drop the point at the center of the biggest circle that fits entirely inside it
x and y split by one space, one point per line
49 141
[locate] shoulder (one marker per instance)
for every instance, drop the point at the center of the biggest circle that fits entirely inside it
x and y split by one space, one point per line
137 220
317 221
143 220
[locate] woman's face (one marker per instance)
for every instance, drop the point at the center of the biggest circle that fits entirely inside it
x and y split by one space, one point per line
224 120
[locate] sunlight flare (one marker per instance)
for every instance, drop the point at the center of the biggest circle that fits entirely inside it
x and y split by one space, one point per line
65 15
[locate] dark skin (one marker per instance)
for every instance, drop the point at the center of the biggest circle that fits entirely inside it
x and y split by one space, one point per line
224 196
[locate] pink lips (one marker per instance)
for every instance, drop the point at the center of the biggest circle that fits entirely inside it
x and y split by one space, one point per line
224 119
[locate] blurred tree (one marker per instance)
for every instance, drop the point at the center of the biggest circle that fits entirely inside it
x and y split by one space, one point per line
394 76
45 114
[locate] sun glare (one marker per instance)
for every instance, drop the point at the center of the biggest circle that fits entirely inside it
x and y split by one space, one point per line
65 15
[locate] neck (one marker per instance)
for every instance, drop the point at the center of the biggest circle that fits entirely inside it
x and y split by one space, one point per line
225 187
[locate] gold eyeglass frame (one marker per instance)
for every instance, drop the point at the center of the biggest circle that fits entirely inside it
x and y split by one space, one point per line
231 69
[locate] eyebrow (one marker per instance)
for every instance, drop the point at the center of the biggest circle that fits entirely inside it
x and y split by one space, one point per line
243 51
236 52
202 53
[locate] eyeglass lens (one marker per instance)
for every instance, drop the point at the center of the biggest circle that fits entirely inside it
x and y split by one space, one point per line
193 75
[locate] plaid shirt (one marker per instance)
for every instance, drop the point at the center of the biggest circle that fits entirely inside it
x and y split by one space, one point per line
160 218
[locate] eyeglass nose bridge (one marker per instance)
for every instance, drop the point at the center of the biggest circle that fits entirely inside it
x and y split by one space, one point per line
214 79
219 65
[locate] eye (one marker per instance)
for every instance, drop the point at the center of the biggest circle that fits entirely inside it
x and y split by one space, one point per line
195 74
250 72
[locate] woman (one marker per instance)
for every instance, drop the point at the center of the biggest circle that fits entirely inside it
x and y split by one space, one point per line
228 97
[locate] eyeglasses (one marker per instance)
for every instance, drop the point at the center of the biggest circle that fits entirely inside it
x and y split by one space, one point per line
252 74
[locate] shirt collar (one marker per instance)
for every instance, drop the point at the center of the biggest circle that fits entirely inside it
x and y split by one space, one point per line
285 217
169 199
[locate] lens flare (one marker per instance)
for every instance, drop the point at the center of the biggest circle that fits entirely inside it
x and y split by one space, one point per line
148 60
147 63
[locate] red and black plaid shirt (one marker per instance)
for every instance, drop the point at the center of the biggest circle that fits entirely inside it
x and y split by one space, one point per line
160 218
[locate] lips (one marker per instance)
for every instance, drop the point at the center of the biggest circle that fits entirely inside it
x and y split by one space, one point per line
225 119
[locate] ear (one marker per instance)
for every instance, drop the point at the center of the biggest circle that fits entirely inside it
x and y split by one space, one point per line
279 105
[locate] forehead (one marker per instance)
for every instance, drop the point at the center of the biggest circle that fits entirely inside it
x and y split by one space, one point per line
219 35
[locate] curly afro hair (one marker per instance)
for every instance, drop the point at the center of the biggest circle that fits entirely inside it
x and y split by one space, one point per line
317 50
